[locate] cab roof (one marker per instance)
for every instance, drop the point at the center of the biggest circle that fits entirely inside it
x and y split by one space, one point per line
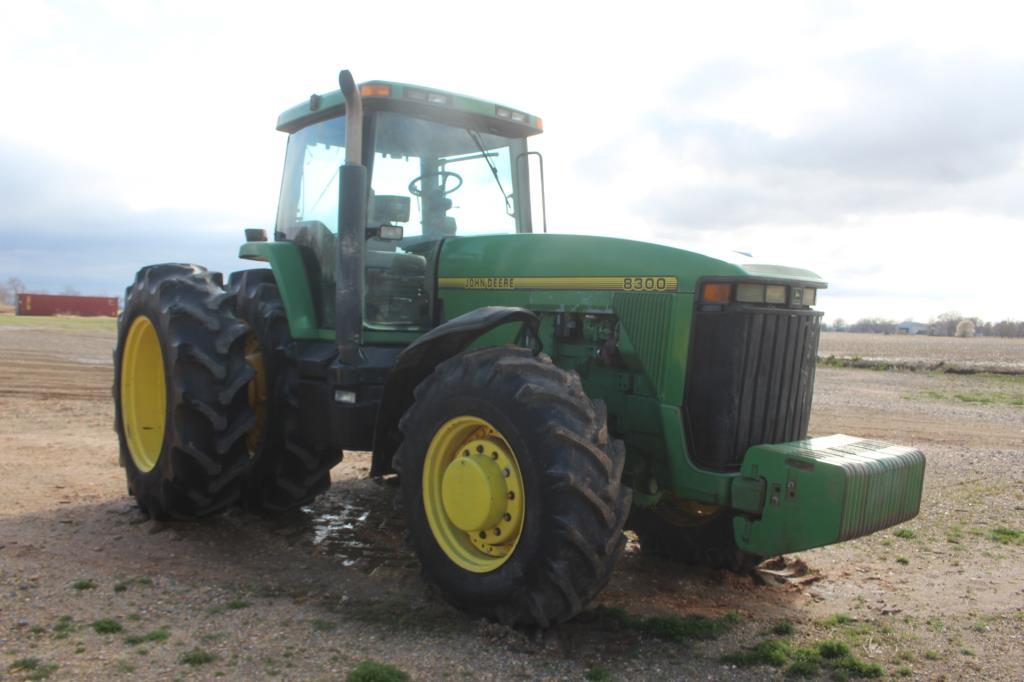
416 100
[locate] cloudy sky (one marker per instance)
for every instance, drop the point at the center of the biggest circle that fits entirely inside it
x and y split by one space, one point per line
881 145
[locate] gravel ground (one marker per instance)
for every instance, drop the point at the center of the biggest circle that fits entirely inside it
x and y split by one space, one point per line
309 595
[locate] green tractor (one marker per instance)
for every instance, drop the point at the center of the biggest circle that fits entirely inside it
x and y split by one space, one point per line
536 394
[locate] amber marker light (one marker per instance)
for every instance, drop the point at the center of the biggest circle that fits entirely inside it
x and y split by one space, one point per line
716 292
375 90
539 123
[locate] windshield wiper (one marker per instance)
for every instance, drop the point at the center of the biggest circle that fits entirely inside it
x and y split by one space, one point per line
494 169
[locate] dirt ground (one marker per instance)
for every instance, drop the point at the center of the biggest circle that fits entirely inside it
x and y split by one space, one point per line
309 596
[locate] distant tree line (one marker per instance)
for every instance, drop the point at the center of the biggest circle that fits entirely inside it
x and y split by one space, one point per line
13 286
946 324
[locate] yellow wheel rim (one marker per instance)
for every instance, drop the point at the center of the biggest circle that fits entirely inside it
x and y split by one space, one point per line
257 392
473 494
143 394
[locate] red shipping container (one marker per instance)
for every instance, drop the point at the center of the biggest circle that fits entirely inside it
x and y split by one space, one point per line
48 304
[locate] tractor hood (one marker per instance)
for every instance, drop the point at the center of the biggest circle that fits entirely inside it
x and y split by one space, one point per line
581 263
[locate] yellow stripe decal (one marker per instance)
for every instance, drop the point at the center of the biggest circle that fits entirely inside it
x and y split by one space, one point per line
637 283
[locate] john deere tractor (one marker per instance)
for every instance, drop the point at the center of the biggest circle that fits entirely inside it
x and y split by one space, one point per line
534 393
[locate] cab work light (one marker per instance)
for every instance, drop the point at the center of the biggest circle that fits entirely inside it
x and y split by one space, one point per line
375 90
427 96
716 292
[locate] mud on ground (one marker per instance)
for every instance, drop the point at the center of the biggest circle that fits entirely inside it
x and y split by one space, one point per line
309 595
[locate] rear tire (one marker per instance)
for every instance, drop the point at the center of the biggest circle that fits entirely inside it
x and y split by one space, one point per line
286 471
569 527
180 381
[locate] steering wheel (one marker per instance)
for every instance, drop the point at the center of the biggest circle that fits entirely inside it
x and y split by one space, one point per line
442 176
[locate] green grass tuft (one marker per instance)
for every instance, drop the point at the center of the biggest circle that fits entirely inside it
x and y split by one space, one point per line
598 674
837 619
1006 536
63 627
902 560
904 533
671 628
36 669
372 671
107 626
833 648
84 585
323 625
783 628
773 652
831 654
197 657
236 604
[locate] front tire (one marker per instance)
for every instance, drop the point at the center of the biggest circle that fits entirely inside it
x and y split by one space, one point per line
180 381
512 486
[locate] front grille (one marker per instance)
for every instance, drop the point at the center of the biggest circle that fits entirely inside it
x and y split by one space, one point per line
750 380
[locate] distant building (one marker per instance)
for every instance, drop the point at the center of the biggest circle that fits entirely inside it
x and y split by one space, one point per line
912 328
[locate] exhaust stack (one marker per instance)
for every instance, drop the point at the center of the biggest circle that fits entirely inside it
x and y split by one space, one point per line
349 270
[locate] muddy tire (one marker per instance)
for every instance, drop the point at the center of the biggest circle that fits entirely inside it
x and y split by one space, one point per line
709 543
180 382
286 471
551 443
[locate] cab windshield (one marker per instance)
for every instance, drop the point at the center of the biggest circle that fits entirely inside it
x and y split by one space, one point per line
432 179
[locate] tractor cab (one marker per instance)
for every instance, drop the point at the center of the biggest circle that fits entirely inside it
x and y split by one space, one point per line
439 165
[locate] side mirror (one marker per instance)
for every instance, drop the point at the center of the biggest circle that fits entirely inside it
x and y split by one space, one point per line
388 233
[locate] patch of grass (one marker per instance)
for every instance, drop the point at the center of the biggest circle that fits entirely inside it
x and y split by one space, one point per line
197 657
121 586
1005 536
372 671
63 627
833 648
36 669
902 560
932 655
773 652
672 628
323 625
236 604
84 585
107 626
37 630
837 619
904 671
832 654
158 635
124 667
598 674
904 533
783 628
60 322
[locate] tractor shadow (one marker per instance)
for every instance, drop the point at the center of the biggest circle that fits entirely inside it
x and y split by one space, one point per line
343 556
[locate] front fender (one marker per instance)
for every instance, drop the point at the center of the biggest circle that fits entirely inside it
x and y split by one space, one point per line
417 361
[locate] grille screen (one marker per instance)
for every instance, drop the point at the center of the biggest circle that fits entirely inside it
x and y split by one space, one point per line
750 380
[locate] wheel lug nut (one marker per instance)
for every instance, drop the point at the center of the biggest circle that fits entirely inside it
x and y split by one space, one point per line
483 535
497 531
505 472
507 517
479 448
511 495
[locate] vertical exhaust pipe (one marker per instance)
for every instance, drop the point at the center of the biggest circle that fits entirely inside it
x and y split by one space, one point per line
349 270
